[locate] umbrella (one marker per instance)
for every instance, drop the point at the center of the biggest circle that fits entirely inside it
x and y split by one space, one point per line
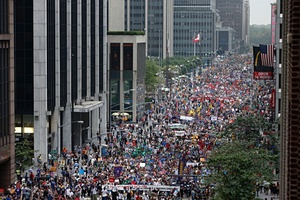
115 114
124 114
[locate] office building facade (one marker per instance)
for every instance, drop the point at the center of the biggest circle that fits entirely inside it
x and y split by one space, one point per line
60 72
190 19
160 29
235 14
127 70
276 14
290 93
7 138
127 60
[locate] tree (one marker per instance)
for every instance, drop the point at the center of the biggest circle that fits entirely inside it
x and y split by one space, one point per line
248 159
24 153
236 170
247 128
151 75
260 34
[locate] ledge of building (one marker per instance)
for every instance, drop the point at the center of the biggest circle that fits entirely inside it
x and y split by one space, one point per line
87 106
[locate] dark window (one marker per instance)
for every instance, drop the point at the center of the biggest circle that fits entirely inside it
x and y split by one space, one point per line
128 56
280 54
63 53
93 48
4 88
279 81
84 49
100 46
114 56
50 55
74 49
4 17
23 56
279 105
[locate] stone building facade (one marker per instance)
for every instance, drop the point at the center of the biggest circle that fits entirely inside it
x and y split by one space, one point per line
7 137
290 115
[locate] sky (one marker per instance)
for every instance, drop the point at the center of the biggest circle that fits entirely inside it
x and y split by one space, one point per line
260 11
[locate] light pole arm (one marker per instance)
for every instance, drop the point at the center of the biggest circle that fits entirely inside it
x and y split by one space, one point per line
79 122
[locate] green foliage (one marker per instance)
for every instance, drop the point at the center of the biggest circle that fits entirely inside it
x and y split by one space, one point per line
248 159
189 63
260 34
151 78
24 154
247 128
236 169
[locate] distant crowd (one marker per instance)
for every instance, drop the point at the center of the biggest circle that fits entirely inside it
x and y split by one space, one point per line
151 160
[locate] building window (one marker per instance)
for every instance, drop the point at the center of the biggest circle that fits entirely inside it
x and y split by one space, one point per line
84 49
63 53
50 55
4 88
115 56
101 23
74 49
93 48
128 56
4 16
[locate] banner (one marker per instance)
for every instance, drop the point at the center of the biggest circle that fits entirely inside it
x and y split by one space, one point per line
260 72
143 187
181 167
273 98
118 170
273 21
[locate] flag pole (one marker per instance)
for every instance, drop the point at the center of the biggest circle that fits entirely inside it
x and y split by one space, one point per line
194 44
200 53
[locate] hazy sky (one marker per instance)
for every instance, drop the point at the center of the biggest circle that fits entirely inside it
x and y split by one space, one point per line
260 11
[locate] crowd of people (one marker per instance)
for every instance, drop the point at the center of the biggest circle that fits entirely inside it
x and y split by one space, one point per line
152 159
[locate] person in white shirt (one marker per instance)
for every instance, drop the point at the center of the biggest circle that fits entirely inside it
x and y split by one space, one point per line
69 192
94 192
104 193
121 196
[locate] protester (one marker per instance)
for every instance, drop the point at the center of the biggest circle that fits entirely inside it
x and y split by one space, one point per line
153 153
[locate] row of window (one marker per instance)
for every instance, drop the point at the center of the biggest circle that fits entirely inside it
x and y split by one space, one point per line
115 61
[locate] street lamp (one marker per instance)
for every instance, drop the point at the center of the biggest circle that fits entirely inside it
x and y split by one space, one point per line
124 101
159 74
59 133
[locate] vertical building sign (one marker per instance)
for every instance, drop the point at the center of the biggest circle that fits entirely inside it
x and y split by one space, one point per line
273 22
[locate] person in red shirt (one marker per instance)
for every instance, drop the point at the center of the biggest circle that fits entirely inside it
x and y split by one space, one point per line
31 176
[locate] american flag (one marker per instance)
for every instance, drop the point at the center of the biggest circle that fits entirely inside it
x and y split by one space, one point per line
267 55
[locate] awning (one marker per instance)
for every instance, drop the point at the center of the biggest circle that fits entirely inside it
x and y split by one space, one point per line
87 106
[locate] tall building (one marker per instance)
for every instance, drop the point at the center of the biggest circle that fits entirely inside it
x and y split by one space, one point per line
235 14
7 137
290 104
160 28
60 66
193 17
276 17
127 57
